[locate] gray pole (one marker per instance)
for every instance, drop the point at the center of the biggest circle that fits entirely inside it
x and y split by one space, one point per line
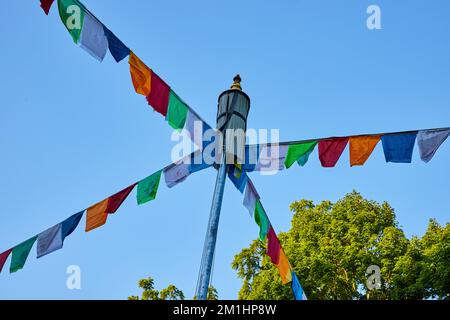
211 232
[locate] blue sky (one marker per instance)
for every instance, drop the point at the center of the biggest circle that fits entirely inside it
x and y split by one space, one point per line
72 130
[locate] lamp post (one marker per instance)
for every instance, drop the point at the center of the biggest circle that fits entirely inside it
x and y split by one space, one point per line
232 111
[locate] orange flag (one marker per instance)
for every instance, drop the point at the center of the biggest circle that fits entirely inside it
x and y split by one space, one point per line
96 215
141 75
284 268
361 148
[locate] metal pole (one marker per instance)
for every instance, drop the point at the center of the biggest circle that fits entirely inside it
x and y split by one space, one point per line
211 232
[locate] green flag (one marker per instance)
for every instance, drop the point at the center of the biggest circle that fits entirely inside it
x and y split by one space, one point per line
261 220
72 16
299 152
177 111
20 254
147 188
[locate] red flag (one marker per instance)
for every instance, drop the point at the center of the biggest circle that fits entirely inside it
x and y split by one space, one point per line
3 258
116 200
46 5
331 150
273 246
159 94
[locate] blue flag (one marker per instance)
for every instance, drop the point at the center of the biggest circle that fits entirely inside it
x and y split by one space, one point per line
398 148
118 49
70 224
297 288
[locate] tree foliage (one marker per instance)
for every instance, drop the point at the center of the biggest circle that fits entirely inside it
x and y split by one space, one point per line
331 245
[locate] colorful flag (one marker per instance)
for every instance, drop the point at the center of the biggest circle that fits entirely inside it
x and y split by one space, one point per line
20 254
361 148
273 246
118 49
330 151
159 95
284 268
251 158
297 289
93 38
299 152
261 220
272 158
398 148
96 215
116 200
429 141
46 5
238 177
147 188
49 240
141 75
70 224
176 173
250 197
3 257
72 16
177 112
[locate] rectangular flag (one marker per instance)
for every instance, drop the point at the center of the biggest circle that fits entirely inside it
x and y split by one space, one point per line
147 188
250 197
70 224
238 177
330 151
176 173
272 158
429 141
20 254
297 289
72 14
300 153
49 240
284 268
96 215
117 48
261 220
398 148
177 112
115 201
273 246
93 38
159 95
361 148
141 75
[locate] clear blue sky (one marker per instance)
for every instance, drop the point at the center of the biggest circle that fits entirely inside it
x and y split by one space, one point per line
72 130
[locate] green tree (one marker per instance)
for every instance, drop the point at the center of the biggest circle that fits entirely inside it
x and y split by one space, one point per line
331 245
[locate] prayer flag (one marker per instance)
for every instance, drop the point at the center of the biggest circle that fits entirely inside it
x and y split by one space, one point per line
238 177
72 14
284 268
273 246
176 173
3 257
93 38
250 197
429 141
330 151
361 148
251 158
20 254
70 224
116 200
272 158
299 152
159 94
96 215
147 188
46 5
297 289
49 241
177 111
118 49
398 148
261 220
141 75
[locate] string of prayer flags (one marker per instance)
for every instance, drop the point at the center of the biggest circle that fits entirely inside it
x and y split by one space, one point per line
141 75
46 5
250 197
429 141
299 152
273 246
93 38
117 48
272 158
3 257
361 148
72 16
177 112
330 151
176 173
20 254
284 268
159 94
398 148
297 289
49 240
147 188
261 220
